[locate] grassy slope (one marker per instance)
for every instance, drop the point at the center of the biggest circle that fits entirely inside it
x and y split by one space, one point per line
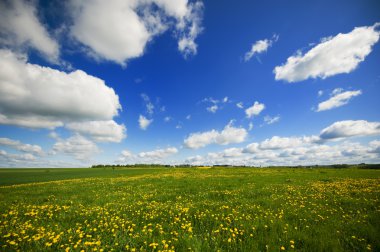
200 209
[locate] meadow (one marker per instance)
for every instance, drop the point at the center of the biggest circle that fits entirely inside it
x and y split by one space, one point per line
190 209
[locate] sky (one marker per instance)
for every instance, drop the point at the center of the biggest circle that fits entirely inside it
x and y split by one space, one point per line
202 82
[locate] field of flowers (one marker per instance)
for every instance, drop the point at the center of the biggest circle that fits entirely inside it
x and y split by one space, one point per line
217 209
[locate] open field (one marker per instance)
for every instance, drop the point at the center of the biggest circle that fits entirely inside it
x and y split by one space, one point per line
226 209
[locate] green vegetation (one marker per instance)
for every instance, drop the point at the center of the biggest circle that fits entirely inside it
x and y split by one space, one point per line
190 209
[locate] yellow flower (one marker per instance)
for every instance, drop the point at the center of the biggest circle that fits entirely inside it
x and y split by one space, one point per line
282 248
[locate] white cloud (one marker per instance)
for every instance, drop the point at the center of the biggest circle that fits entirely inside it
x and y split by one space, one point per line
149 105
126 157
189 27
77 146
320 92
195 160
158 154
144 122
50 97
53 135
338 100
255 109
20 25
277 142
200 139
260 46
334 55
239 105
100 131
92 22
15 144
303 150
126 154
188 117
337 91
350 128
375 146
231 135
232 152
9 159
271 120
155 156
250 126
228 135
215 104
251 148
167 119
212 108
134 24
293 151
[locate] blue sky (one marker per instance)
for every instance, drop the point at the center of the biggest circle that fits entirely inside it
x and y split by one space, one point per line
198 82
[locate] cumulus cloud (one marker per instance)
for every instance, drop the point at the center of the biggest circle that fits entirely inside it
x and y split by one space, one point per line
334 55
20 27
350 128
375 147
100 131
239 105
338 100
303 150
255 109
260 46
144 122
134 24
271 120
231 134
77 146
200 139
17 145
232 152
277 142
154 156
228 135
126 153
158 154
251 148
51 98
292 151
10 159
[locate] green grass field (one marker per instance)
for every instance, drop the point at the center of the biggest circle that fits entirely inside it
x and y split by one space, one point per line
225 209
